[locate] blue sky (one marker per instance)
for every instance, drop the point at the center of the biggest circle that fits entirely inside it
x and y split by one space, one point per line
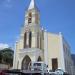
55 15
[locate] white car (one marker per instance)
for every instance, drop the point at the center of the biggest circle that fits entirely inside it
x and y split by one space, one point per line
56 72
59 71
50 72
39 66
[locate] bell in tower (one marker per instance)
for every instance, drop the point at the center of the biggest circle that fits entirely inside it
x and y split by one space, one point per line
30 18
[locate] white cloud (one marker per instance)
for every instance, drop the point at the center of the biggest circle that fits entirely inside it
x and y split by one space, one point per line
7 3
2 46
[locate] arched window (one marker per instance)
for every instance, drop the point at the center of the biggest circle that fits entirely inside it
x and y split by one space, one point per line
30 39
30 18
30 14
25 37
38 40
39 59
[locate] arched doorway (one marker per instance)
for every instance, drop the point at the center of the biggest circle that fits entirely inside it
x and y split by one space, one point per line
39 59
26 63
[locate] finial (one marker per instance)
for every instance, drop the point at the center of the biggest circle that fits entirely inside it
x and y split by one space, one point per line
42 28
32 5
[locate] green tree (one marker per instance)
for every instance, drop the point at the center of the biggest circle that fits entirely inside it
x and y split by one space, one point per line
0 57
7 56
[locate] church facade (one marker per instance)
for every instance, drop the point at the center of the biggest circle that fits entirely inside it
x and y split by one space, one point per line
36 44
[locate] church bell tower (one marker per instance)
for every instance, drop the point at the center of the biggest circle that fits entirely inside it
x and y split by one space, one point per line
32 14
30 46
32 27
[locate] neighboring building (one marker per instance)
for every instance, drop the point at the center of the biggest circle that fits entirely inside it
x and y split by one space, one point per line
73 58
35 44
4 66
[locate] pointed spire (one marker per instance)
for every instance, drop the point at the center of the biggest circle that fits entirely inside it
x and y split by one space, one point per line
32 5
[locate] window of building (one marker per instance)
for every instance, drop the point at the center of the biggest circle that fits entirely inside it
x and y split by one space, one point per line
30 18
43 34
40 43
54 64
38 40
39 59
30 39
25 37
30 14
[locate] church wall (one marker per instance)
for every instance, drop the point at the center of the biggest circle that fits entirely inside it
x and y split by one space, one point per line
19 45
67 57
54 50
32 53
56 45
16 55
33 42
46 47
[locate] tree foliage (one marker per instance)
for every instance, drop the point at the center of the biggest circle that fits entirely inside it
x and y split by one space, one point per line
6 56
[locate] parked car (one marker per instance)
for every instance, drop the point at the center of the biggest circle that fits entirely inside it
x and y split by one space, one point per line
59 71
39 66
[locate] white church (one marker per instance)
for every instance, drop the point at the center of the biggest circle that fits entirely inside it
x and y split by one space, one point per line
36 44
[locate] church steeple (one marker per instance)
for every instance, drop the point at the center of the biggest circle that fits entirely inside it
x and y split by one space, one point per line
32 26
32 16
32 5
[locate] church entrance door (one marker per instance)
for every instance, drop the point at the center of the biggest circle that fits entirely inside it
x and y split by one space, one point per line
26 63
